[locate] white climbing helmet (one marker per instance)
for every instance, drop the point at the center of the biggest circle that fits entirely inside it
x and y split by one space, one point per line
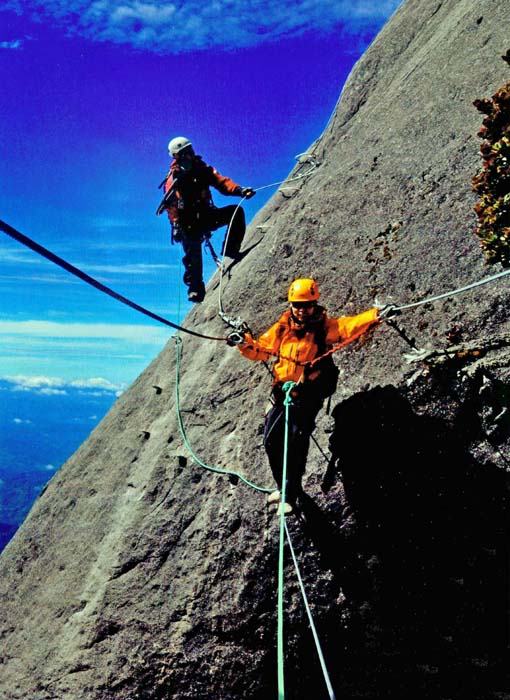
178 144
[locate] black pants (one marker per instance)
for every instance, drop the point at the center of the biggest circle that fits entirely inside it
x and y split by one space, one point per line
193 236
302 414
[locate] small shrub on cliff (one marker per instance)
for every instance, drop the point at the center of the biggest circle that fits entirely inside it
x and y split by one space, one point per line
492 182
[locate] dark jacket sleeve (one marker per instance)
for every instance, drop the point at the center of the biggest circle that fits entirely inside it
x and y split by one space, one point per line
222 183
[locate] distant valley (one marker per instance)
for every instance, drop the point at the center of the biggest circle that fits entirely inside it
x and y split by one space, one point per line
39 431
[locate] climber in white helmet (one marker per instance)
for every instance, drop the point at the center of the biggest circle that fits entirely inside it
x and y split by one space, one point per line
192 213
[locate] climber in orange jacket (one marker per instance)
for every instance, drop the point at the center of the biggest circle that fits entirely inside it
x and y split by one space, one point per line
192 213
298 339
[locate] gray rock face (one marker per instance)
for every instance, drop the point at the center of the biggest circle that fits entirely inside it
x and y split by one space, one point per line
140 574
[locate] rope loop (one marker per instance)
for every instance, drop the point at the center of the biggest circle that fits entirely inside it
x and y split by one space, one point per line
287 388
216 470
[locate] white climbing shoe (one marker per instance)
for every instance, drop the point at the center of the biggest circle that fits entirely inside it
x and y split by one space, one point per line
273 498
286 507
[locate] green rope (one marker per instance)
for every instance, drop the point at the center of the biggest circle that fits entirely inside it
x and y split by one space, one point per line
310 619
287 388
217 470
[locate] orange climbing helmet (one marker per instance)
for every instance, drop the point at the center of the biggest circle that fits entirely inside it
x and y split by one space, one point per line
303 290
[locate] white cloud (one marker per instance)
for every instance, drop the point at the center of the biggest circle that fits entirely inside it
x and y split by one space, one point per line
42 349
50 467
11 254
56 386
125 245
51 279
174 27
45 390
22 421
94 383
26 257
15 44
148 13
127 269
34 382
150 335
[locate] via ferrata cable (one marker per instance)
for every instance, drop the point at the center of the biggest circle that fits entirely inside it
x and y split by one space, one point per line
453 292
405 307
45 253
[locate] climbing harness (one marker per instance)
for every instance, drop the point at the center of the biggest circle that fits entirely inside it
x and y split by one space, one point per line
29 243
302 158
287 388
220 262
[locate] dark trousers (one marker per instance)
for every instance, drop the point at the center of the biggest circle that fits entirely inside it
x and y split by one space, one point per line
302 414
193 236
193 265
222 216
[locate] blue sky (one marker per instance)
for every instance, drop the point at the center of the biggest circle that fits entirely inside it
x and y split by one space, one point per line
91 93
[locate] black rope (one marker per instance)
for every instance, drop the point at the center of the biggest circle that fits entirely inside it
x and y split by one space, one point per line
29 243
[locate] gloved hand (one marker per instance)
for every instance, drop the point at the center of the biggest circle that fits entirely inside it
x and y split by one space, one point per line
235 338
177 233
388 311
247 192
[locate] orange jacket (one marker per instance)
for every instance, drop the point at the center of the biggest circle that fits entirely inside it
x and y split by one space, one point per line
296 346
192 192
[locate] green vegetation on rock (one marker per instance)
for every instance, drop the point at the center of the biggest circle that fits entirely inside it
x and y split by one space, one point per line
492 182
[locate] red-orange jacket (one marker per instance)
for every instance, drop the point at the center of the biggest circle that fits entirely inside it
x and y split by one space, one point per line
296 346
192 192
